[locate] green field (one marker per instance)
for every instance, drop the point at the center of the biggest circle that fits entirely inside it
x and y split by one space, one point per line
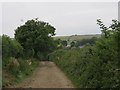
76 37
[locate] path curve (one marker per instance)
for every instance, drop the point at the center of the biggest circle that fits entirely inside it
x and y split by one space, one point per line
48 75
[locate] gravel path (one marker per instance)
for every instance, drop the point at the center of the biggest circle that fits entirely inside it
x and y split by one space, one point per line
48 75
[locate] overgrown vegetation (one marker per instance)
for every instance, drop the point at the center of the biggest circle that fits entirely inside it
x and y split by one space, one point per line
15 68
82 42
93 66
21 55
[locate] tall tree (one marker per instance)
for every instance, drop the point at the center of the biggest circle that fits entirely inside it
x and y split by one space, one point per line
36 37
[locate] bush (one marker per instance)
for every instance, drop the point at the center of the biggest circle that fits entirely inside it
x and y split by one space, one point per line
15 65
10 47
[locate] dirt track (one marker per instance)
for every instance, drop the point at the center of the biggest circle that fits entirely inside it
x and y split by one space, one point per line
48 75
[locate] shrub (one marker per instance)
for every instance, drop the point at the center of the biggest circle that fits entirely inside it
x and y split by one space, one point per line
10 47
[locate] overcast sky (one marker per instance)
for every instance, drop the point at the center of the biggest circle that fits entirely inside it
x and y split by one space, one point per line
68 18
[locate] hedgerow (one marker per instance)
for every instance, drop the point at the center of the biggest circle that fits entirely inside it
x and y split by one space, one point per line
93 66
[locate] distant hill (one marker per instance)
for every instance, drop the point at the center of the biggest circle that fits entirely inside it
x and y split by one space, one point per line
76 37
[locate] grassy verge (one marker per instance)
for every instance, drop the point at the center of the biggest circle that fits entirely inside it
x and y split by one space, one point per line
16 70
65 59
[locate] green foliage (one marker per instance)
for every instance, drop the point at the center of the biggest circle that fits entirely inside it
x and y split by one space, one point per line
18 69
27 66
10 47
96 66
72 44
36 36
86 41
64 43
58 43
76 40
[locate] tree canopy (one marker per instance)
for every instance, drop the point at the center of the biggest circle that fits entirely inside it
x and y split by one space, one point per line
36 37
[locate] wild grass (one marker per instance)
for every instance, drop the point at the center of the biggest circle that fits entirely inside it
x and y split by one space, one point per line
16 70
